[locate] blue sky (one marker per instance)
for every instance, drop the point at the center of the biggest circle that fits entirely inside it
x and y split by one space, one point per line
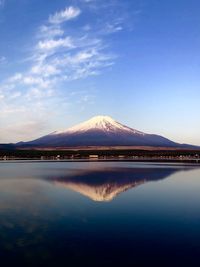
64 61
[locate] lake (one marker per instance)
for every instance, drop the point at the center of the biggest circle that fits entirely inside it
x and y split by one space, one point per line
99 214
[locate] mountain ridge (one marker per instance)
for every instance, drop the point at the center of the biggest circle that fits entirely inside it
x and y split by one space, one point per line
102 131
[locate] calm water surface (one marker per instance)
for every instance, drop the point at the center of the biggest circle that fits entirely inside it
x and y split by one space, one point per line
99 214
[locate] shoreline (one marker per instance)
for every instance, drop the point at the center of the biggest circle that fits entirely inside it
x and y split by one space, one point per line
194 162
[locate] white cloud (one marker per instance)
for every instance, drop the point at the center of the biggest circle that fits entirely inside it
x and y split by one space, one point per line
52 43
64 15
15 78
11 110
15 95
38 93
112 28
60 54
36 81
47 70
59 57
2 96
50 31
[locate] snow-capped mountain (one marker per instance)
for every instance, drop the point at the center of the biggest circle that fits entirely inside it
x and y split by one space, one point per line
101 131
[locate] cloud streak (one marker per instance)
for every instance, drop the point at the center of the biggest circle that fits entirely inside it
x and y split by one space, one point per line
59 55
68 13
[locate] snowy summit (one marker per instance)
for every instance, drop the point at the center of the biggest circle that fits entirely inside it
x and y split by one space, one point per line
100 123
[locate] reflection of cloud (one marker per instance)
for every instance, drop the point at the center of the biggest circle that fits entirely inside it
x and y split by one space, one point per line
18 193
24 217
31 205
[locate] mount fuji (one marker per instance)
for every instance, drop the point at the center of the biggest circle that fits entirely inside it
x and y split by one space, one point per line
102 131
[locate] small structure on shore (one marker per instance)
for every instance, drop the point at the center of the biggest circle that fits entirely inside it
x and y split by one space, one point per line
93 156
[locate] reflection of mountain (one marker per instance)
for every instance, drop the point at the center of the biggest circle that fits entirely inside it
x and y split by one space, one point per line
104 192
104 185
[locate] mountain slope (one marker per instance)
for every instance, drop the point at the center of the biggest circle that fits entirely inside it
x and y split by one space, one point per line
101 131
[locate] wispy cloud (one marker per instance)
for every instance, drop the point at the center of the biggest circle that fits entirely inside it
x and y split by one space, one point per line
50 31
60 55
51 44
64 15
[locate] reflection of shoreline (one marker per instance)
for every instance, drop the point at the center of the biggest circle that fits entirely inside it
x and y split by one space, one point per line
186 161
105 185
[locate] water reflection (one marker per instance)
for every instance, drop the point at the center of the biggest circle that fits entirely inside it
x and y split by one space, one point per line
106 184
40 207
31 185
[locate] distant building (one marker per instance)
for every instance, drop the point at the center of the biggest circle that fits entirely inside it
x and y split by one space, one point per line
93 156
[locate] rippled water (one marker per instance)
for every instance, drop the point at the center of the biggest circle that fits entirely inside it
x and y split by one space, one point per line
99 214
